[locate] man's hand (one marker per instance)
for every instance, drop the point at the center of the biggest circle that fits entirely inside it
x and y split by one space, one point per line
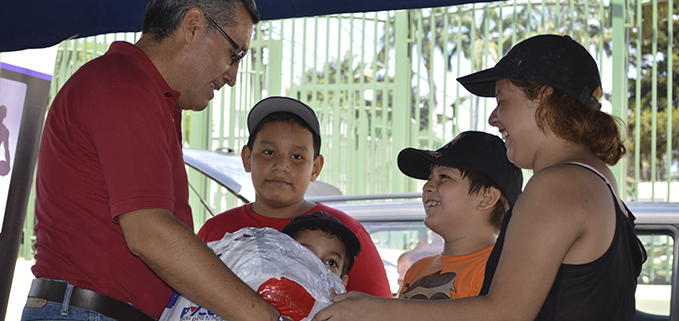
184 262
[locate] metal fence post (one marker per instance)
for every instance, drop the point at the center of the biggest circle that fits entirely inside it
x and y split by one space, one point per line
402 100
619 80
199 137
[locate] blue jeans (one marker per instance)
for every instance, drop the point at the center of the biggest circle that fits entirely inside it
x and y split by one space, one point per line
54 311
41 310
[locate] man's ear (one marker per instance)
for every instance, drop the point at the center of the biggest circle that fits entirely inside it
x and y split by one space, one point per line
345 280
317 166
193 23
245 155
489 196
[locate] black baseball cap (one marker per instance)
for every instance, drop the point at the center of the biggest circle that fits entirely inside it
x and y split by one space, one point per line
553 60
326 221
274 104
471 150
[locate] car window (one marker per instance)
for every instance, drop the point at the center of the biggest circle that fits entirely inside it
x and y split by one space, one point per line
654 289
400 243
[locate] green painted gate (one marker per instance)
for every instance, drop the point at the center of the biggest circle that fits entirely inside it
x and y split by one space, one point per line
384 81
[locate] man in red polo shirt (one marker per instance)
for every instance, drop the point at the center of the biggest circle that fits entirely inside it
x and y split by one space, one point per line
114 227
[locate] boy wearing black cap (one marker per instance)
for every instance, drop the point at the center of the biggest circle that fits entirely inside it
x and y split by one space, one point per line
279 270
332 241
283 157
470 186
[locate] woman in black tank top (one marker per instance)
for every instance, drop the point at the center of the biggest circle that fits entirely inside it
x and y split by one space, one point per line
567 249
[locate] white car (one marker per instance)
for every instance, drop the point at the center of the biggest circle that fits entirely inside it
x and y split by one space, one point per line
395 224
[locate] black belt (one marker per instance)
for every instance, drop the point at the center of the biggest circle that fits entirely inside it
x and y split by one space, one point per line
86 299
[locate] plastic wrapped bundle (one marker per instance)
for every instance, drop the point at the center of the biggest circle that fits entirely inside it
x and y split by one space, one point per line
281 270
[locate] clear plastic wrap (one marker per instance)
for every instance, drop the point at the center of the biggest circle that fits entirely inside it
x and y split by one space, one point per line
281 270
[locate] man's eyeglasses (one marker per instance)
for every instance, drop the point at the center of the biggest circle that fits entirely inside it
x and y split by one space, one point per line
239 52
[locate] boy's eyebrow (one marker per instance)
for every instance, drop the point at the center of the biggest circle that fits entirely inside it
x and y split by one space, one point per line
338 254
331 252
274 143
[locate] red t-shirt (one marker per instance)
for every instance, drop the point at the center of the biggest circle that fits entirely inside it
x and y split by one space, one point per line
111 145
445 277
367 275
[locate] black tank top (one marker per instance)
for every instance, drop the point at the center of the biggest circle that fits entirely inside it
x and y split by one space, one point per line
600 290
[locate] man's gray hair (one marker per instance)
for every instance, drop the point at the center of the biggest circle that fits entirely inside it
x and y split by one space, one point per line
162 17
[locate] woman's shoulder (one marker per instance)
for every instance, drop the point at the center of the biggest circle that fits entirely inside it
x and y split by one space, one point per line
569 176
567 188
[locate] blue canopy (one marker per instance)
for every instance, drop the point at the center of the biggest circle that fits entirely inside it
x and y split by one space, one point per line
39 24
26 24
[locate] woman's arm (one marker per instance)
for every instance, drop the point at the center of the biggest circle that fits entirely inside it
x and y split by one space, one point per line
549 218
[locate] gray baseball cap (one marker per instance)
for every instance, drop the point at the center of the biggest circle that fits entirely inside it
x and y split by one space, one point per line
274 104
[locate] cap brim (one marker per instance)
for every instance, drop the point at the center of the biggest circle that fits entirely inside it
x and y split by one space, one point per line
416 163
482 83
276 104
347 235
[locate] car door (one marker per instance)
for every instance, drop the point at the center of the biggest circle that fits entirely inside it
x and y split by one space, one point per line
655 299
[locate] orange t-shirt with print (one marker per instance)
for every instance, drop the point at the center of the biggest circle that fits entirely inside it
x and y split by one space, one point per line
445 277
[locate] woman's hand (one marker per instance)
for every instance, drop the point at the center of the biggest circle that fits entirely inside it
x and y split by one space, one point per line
352 306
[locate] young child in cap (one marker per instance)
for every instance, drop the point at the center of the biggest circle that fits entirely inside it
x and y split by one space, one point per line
283 157
470 186
332 241
567 249
293 280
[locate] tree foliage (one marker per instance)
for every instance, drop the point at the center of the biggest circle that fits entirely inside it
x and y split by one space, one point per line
643 61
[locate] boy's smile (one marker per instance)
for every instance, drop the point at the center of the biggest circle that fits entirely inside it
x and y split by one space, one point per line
446 199
282 165
429 203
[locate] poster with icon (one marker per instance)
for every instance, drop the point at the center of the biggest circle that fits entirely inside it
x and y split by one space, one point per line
23 101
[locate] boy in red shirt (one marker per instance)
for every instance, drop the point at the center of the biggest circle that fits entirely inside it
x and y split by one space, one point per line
283 157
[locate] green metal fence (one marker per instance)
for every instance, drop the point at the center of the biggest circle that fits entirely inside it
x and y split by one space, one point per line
383 81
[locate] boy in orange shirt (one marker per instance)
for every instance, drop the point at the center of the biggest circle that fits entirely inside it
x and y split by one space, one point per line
470 186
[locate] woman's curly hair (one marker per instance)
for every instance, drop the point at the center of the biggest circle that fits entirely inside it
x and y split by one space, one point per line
575 121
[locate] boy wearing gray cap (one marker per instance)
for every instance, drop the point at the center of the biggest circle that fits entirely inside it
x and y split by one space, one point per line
283 157
470 186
